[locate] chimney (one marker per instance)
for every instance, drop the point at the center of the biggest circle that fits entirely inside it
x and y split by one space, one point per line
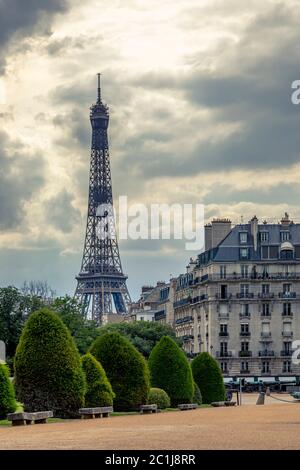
254 231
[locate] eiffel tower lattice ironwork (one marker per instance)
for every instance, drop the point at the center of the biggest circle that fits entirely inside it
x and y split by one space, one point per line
101 284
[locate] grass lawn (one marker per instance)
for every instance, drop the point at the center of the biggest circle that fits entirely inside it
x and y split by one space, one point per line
5 422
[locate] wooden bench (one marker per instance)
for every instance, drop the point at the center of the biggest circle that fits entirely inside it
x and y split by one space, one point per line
223 403
21 419
187 406
147 409
97 412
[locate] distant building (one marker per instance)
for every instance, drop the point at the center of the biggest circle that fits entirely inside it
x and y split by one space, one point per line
155 304
240 300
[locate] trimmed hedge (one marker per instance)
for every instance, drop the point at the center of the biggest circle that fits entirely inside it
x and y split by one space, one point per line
159 397
8 402
48 372
171 371
208 376
126 370
197 398
99 391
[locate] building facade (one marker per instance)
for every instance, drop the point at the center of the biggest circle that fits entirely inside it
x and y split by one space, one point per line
240 300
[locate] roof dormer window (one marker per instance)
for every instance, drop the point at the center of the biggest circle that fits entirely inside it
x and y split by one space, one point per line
285 236
243 237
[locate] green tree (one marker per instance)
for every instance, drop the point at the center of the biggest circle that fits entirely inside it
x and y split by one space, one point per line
14 309
142 334
8 402
99 391
197 398
84 331
171 371
48 372
208 376
126 370
159 397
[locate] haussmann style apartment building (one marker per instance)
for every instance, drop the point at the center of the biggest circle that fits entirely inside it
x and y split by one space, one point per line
240 299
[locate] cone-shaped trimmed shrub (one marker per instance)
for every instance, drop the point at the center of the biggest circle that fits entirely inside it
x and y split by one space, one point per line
125 368
159 397
8 402
98 391
208 376
171 371
197 398
48 372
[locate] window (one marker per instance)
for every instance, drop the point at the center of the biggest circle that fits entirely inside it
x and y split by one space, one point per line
286 254
265 252
223 309
245 310
244 346
265 330
244 253
223 272
284 236
286 366
264 236
265 288
287 327
286 288
223 291
273 252
287 348
223 348
244 289
224 367
243 237
244 366
244 270
265 271
245 329
141 318
265 367
287 309
266 310
223 329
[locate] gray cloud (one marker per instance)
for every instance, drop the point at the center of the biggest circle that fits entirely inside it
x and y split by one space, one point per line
61 213
20 177
19 18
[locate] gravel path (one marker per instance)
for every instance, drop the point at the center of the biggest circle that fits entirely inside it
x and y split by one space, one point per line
246 427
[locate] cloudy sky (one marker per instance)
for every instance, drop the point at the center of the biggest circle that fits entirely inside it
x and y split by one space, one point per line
200 101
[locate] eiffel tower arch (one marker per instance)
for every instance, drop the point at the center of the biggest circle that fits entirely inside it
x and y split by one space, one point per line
101 283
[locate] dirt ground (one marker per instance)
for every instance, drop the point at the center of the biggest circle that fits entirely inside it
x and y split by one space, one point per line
273 426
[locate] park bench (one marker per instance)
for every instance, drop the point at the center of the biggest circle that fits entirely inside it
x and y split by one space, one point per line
23 418
187 406
223 403
147 409
97 412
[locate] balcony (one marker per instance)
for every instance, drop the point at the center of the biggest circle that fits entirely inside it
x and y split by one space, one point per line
223 354
181 302
287 315
223 316
286 353
245 353
287 295
288 334
186 319
266 353
245 295
266 295
187 337
223 296
223 333
245 315
245 333
266 334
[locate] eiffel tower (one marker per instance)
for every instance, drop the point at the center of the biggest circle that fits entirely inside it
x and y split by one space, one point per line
101 284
